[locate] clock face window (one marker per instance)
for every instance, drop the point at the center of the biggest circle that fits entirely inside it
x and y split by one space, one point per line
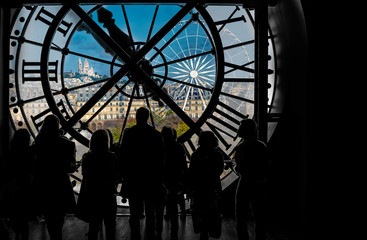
94 66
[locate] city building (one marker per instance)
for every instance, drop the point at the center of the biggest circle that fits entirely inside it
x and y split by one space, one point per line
86 69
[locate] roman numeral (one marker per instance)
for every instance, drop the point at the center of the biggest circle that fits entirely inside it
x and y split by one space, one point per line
31 71
237 97
38 119
189 147
230 19
227 123
47 18
238 67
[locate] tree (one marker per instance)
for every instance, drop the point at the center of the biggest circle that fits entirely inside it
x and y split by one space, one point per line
182 128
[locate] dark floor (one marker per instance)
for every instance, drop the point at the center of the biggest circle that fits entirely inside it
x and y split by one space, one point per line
75 229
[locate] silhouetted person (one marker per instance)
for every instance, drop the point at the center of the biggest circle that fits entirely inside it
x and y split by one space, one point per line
54 160
174 175
100 178
142 163
181 195
251 164
18 178
205 168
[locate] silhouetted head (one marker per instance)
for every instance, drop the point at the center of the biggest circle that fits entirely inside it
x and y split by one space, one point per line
247 129
167 134
208 140
142 115
21 139
99 141
50 126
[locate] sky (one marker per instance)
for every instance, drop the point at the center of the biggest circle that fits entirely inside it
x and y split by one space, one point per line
140 18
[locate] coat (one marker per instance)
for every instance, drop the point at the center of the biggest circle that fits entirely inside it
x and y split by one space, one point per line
205 189
18 182
251 164
205 169
54 161
142 161
98 191
175 169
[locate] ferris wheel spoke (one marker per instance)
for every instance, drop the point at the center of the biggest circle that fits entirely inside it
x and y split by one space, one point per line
205 64
183 52
180 76
186 66
201 97
191 63
197 62
203 60
162 64
184 87
201 93
186 83
192 93
168 43
205 86
204 72
186 97
180 86
174 52
206 82
180 69
183 59
196 40
187 40
204 44
179 64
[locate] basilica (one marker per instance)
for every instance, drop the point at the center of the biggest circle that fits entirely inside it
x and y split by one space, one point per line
86 69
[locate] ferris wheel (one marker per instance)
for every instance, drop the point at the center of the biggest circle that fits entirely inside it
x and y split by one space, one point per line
189 78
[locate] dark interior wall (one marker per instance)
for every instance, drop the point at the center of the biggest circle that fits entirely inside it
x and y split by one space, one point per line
4 89
288 146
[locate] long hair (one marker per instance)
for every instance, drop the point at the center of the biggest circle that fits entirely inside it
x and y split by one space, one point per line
50 128
167 134
99 142
208 140
247 129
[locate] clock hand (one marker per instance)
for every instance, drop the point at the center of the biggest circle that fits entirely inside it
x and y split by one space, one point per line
130 63
121 38
125 57
84 27
98 95
164 97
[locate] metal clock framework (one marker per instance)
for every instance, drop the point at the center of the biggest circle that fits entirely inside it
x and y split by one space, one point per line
210 53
